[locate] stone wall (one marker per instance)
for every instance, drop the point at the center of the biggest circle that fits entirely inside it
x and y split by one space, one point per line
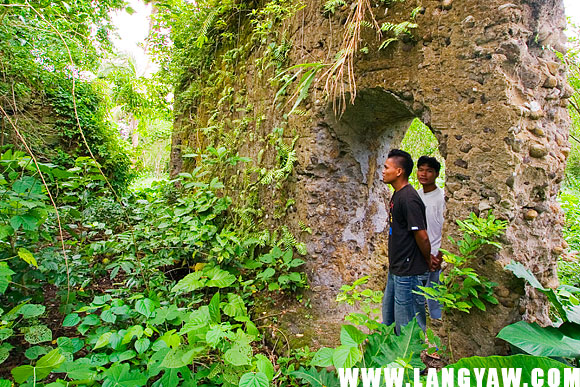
484 77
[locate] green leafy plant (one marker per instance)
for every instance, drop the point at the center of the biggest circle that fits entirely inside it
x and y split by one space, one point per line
461 286
396 32
367 300
562 340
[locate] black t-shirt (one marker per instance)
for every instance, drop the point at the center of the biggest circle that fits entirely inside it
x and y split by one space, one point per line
406 214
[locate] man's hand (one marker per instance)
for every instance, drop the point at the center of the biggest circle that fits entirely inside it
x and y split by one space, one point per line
436 261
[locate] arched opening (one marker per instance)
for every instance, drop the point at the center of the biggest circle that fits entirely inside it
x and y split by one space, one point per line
363 135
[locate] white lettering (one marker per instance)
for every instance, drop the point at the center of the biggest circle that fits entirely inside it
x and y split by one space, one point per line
571 377
447 377
511 376
492 378
417 378
393 377
348 377
371 375
554 377
463 377
432 380
537 377
479 372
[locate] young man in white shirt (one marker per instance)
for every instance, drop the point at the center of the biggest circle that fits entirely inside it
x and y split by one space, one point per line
433 197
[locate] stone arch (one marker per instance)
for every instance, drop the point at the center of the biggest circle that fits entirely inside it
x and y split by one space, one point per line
478 74
496 101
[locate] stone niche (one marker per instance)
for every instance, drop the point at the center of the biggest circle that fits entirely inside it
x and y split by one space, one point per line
483 76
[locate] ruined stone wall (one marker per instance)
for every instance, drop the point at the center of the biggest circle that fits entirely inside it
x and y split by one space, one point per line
484 77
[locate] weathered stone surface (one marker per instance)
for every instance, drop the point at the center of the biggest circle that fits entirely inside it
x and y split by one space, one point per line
538 151
476 80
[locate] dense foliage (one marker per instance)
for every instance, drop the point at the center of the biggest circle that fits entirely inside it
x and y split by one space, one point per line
46 51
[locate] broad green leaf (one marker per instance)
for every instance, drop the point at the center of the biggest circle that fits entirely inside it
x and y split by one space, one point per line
316 378
65 344
145 306
119 357
6 333
108 316
214 309
323 358
408 344
27 257
538 341
5 349
238 355
103 340
521 272
265 365
91 319
220 278
189 283
142 345
120 375
351 336
71 320
43 368
27 222
171 377
268 273
235 306
171 339
33 353
214 335
37 334
5 276
32 310
251 379
346 356
175 358
101 300
134 331
80 369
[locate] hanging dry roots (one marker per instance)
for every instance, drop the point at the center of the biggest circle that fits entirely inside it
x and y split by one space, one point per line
342 71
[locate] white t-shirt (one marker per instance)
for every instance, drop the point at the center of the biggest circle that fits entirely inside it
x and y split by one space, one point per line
434 210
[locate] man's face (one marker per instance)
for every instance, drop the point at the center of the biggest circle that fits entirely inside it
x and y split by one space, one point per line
391 171
426 175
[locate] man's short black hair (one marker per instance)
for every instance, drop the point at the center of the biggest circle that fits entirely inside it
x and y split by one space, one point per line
431 163
403 160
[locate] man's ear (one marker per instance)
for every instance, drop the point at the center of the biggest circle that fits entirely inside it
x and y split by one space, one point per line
399 171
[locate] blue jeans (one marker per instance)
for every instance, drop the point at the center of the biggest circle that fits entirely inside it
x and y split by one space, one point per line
400 304
433 305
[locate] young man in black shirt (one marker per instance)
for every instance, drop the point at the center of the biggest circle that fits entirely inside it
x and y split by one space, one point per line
409 247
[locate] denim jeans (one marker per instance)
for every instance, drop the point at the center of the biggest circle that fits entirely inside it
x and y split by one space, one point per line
400 304
434 306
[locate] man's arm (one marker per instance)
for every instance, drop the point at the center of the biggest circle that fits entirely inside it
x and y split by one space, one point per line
422 240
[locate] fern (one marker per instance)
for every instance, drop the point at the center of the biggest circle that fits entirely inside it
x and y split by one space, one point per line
304 227
415 12
331 5
207 24
367 24
289 241
396 31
